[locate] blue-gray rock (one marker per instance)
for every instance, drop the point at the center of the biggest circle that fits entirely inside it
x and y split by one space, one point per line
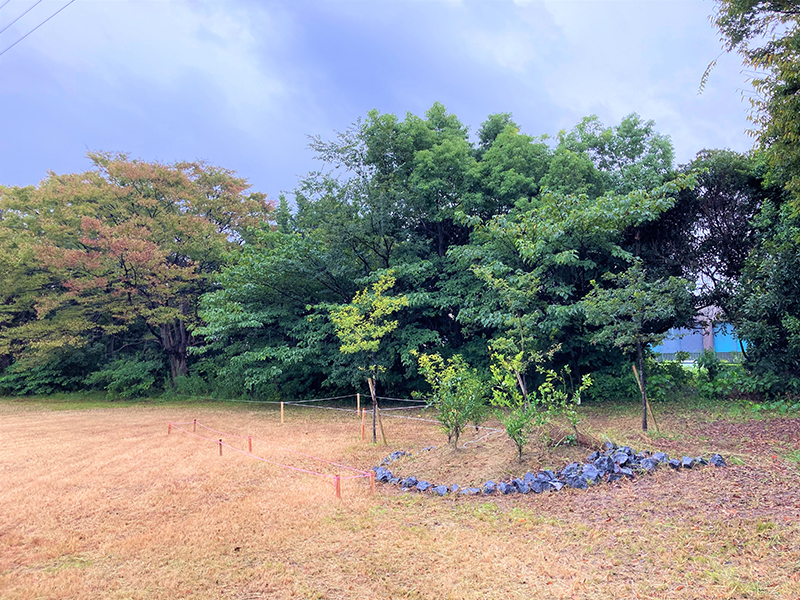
578 482
394 481
440 489
428 449
556 485
627 450
649 464
489 487
701 461
661 457
609 446
409 482
550 475
718 461
382 475
455 487
604 464
522 487
506 488
640 456
593 457
591 473
620 458
537 487
469 491
687 462
612 477
674 463
571 470
423 486
528 477
626 472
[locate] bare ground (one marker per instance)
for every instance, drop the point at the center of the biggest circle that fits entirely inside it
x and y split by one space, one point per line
104 504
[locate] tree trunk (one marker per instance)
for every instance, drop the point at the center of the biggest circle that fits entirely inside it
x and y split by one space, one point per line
175 342
373 393
642 383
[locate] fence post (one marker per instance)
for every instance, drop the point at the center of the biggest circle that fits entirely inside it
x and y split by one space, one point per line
281 413
363 424
358 403
337 485
220 447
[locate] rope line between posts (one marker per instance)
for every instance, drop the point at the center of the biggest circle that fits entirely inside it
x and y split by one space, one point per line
336 478
330 462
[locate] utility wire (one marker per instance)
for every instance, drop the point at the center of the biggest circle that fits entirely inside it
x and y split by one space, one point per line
37 27
4 3
19 17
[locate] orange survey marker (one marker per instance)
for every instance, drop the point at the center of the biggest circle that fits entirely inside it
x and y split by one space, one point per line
336 478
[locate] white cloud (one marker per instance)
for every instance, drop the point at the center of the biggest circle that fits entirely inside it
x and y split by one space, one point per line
160 43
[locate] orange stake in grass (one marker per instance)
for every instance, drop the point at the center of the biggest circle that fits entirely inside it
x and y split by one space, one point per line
169 428
220 447
194 426
363 424
337 486
250 443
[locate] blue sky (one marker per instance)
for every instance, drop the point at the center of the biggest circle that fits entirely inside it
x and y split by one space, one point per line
243 84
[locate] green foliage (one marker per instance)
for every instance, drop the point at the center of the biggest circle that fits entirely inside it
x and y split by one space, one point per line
130 377
634 312
522 412
615 383
766 33
670 381
59 371
458 393
362 324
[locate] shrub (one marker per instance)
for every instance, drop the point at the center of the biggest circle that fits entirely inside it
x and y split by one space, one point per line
458 394
129 377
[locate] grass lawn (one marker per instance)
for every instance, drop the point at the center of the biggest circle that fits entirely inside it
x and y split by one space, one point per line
98 501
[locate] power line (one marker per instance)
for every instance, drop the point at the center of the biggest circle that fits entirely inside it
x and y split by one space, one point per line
4 3
37 27
19 17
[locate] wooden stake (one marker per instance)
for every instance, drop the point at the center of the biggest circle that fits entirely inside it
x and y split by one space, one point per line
363 424
281 413
250 443
169 428
372 482
380 422
358 403
646 401
220 447
337 486
194 426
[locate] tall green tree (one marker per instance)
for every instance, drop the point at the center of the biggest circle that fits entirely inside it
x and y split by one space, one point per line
634 313
125 245
362 325
766 34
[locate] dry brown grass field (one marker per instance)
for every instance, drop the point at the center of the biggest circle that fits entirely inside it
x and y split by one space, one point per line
103 503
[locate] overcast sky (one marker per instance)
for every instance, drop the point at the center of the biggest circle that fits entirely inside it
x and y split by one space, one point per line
242 84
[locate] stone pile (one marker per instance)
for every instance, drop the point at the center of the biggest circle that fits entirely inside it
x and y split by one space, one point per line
610 465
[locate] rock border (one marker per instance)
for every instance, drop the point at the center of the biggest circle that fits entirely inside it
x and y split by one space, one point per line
610 465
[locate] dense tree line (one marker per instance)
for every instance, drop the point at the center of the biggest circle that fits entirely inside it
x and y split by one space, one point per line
557 258
138 275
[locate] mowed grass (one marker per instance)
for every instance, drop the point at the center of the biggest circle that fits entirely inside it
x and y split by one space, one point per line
102 503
